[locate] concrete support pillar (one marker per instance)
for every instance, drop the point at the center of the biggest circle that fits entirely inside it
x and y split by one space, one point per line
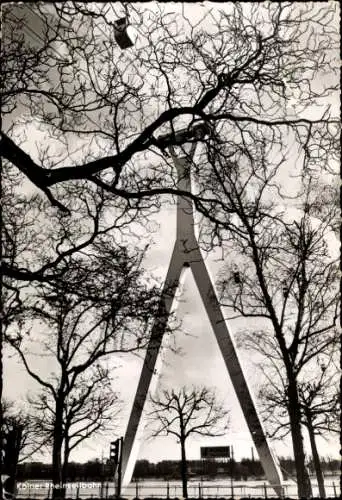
187 254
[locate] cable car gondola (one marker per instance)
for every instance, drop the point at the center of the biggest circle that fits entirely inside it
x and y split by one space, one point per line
121 35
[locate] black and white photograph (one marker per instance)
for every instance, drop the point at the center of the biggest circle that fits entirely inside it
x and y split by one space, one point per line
170 250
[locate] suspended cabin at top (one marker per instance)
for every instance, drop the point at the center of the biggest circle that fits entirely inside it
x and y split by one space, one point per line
121 35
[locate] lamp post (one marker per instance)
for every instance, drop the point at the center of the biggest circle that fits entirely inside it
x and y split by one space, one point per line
115 455
120 467
232 470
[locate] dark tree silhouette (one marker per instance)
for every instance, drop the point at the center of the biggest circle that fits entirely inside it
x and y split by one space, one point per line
287 277
102 306
96 112
318 395
320 403
19 440
79 86
186 412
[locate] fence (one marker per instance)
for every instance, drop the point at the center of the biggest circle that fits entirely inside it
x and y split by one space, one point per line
235 491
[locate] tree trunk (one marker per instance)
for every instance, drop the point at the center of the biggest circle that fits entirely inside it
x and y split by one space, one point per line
12 450
17 441
1 407
57 480
303 480
65 459
315 456
184 469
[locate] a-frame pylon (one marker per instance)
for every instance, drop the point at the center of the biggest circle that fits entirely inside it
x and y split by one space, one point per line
186 253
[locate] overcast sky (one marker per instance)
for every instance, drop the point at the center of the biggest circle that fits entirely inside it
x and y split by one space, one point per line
200 363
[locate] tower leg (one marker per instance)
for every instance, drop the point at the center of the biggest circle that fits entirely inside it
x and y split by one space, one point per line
149 375
209 297
187 251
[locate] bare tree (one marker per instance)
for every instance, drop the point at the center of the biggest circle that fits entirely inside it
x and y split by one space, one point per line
284 274
29 442
186 412
96 112
317 392
320 403
74 266
101 307
91 407
80 86
19 441
11 444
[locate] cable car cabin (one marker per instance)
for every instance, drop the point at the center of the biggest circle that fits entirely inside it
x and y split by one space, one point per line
236 276
197 131
121 35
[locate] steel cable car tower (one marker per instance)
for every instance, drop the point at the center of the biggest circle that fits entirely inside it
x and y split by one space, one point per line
186 253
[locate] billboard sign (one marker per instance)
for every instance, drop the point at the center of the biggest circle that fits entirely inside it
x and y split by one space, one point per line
215 451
